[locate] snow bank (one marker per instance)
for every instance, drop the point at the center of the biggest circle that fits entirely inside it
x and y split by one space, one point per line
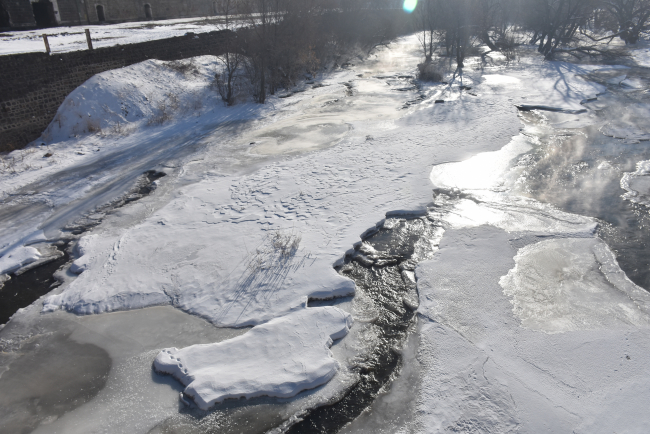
237 283
111 101
83 252
279 358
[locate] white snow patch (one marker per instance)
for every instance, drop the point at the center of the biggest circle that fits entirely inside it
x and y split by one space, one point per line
641 55
484 171
17 258
111 101
83 251
501 80
280 358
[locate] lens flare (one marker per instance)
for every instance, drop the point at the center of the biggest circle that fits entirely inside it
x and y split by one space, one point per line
409 5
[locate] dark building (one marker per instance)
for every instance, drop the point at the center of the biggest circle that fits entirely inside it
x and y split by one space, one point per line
15 14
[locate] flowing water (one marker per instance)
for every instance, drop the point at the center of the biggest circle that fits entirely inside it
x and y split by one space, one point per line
579 170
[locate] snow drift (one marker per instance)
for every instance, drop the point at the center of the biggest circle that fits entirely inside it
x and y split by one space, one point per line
151 91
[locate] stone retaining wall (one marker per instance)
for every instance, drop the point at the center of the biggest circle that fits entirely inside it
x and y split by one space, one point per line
34 85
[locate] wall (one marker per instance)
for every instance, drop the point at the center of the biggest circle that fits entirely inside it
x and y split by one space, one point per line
71 12
77 12
19 13
34 85
132 10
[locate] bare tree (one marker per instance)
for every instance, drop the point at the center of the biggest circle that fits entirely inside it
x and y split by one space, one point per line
261 17
490 27
458 28
232 59
631 15
556 22
426 17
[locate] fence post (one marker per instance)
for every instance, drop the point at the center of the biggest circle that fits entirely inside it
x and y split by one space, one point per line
90 42
47 44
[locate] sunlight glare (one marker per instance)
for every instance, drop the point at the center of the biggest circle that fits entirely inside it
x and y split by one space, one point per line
409 5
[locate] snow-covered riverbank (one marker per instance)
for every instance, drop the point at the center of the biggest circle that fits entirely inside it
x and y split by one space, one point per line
260 203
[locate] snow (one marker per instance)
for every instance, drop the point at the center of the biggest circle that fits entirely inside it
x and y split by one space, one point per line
323 198
231 369
484 372
253 215
17 258
528 323
130 95
491 177
65 39
484 171
641 54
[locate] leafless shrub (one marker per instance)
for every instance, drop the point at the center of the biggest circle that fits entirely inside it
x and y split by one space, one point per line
165 109
162 114
173 101
15 159
254 74
120 129
183 66
228 85
509 47
8 164
309 60
428 72
276 250
286 243
195 103
93 126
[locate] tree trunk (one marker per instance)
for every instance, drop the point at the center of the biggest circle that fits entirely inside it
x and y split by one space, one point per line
487 41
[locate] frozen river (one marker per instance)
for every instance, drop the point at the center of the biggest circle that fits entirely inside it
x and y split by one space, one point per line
351 257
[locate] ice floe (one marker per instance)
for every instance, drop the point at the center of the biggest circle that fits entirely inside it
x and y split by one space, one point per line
17 258
280 358
573 284
637 184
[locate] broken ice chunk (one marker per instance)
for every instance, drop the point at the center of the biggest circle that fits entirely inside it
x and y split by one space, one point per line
17 257
280 358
